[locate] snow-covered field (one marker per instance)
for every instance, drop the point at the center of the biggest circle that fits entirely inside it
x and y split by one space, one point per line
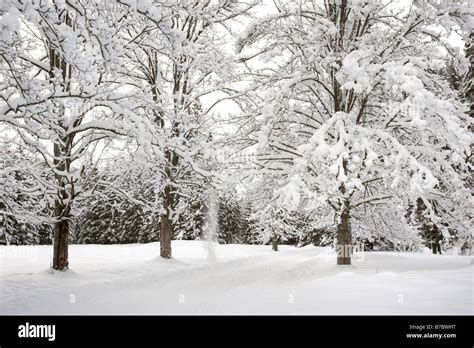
239 279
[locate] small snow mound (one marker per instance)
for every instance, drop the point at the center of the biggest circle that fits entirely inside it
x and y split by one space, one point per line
346 273
388 275
169 262
426 250
62 274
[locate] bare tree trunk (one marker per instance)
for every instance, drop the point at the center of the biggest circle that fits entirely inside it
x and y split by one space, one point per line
61 213
344 237
436 247
60 246
166 225
274 244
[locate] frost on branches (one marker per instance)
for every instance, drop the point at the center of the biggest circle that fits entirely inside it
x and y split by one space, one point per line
61 94
356 116
323 121
176 51
77 78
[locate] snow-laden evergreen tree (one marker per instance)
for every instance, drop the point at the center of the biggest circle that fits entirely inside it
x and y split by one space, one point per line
16 184
190 215
353 114
232 219
269 221
117 209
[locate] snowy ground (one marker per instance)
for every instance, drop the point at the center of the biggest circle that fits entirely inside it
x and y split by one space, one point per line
130 279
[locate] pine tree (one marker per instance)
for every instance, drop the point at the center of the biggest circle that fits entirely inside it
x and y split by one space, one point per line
16 183
429 231
231 221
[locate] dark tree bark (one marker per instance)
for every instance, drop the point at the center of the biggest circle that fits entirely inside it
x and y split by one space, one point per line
60 246
436 247
62 205
166 221
344 233
61 213
344 237
275 244
166 225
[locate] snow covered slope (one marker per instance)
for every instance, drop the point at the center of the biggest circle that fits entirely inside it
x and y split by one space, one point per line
130 279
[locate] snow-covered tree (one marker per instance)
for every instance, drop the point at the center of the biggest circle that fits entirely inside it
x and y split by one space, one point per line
354 114
116 210
232 219
177 55
60 94
18 174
